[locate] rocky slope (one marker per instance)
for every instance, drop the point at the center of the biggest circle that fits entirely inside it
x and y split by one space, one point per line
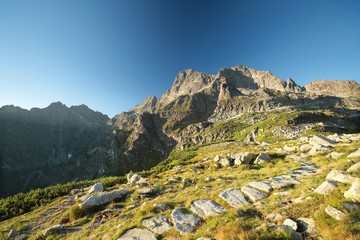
200 108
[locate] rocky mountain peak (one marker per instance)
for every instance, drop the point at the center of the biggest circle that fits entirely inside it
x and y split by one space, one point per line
340 88
148 105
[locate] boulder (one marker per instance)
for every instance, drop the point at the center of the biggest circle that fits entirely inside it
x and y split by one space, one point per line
307 225
326 187
274 218
225 162
134 178
319 149
146 192
290 223
354 154
234 197
282 181
205 208
97 187
334 155
354 168
354 191
157 224
305 148
291 148
160 207
293 234
184 223
339 176
138 234
262 186
318 139
246 158
103 198
217 158
253 194
262 157
335 213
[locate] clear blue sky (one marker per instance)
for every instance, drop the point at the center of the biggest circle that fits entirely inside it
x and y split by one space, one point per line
110 55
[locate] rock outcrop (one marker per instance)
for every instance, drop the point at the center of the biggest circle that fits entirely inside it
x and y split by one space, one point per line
337 88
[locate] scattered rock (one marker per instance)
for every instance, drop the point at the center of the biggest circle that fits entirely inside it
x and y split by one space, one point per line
205 208
134 178
351 207
253 194
334 155
234 197
307 225
103 198
335 213
354 168
225 162
217 158
338 176
146 192
354 191
319 149
281 182
262 157
305 148
217 165
246 158
262 186
290 223
137 234
274 218
184 222
293 234
157 224
291 148
354 154
97 187
326 187
59 228
318 139
160 207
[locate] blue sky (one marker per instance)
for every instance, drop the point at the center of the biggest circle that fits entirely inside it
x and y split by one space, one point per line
110 55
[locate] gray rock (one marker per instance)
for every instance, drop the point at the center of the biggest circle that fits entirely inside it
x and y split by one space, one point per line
354 168
293 234
97 187
305 148
103 198
146 192
281 182
335 155
307 225
291 148
75 191
234 197
351 207
318 139
225 162
354 154
326 187
83 198
184 223
335 213
262 157
319 149
274 218
290 223
246 158
134 179
59 228
161 207
339 176
253 194
354 191
13 233
137 234
262 186
205 208
157 224
217 158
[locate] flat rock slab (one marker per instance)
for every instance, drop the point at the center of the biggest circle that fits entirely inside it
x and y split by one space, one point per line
234 197
335 213
339 176
354 191
262 186
205 208
103 198
321 140
282 181
157 224
290 223
138 234
253 194
354 168
326 187
184 222
354 154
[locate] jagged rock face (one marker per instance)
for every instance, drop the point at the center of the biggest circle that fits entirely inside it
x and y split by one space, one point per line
333 88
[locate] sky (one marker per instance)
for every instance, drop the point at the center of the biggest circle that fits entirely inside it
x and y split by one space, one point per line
110 55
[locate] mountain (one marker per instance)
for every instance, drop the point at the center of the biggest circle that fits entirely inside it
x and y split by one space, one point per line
42 147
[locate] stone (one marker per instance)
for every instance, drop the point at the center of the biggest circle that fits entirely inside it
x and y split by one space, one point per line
307 225
318 139
326 187
354 154
246 158
205 208
137 234
290 223
335 213
274 218
160 207
354 168
351 207
217 158
291 148
319 149
253 194
103 198
262 157
217 165
157 224
262 186
146 192
13 233
234 197
281 182
338 176
134 178
335 155
97 187
225 162
293 234
59 228
354 191
75 191
305 148
184 223
83 198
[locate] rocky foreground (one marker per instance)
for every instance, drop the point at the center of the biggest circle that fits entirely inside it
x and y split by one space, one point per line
306 188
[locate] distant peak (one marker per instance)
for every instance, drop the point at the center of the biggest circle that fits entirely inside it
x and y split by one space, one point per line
57 105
